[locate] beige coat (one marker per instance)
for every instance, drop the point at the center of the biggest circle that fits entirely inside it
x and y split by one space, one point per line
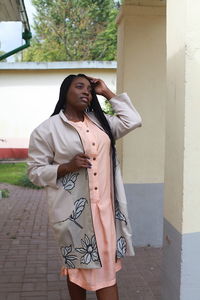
56 141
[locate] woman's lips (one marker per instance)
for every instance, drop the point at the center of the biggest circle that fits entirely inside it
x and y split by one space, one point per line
85 99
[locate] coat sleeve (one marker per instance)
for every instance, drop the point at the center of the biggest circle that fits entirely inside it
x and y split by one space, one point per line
41 170
126 117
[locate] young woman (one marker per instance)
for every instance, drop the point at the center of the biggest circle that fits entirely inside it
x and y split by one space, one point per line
72 154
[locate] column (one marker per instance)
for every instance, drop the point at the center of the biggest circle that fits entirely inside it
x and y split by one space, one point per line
141 73
181 262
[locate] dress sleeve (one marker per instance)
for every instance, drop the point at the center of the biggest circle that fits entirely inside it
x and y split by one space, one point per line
41 170
126 117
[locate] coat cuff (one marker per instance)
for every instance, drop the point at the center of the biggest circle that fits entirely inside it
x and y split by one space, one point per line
44 175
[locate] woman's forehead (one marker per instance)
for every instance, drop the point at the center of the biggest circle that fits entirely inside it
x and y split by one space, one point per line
82 80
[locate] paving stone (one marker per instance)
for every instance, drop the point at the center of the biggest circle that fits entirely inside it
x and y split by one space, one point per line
37 294
54 295
10 287
13 296
3 296
29 256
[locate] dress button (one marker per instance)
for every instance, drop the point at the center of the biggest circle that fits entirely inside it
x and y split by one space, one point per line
87 130
94 158
93 144
95 174
96 188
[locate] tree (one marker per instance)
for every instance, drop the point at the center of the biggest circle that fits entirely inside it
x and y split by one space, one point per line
73 30
105 44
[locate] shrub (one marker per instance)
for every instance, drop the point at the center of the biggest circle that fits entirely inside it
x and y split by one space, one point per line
25 182
5 193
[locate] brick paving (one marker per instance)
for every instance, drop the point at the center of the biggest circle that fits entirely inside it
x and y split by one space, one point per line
29 264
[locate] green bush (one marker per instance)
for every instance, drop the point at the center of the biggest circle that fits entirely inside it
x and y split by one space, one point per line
5 193
24 181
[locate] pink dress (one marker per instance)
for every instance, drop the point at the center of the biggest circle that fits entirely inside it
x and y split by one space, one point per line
97 146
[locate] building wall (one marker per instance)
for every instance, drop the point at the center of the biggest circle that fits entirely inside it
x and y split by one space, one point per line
29 92
141 72
181 261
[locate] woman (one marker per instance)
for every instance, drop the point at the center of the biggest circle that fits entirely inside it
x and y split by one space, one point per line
72 154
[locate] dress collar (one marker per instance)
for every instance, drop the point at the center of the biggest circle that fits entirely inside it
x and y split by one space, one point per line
90 116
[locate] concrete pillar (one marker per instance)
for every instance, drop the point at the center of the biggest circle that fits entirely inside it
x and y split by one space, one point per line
181 262
141 73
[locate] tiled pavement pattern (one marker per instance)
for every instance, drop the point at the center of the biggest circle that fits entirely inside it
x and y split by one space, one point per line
29 266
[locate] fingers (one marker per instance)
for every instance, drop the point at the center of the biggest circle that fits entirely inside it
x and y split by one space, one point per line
82 161
92 78
95 80
85 163
83 155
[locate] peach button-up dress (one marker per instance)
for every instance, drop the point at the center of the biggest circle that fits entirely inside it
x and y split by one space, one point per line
96 144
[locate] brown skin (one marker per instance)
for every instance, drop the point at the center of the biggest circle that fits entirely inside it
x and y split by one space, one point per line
78 99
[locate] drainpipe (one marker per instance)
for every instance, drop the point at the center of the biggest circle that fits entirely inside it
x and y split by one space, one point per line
26 35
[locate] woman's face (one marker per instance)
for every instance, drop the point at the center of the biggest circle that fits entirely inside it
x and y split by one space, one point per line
79 94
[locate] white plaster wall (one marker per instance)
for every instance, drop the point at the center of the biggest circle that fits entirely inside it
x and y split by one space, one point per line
28 97
141 72
191 208
182 172
175 114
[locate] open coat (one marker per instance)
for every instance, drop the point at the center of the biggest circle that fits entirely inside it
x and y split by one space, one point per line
55 142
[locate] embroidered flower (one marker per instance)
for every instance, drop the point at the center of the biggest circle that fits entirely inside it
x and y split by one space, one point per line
121 247
78 209
79 206
89 250
69 180
119 215
68 258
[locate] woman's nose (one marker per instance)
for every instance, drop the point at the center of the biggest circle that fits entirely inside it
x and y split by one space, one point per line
86 92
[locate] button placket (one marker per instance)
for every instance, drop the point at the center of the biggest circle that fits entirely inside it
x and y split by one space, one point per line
91 147
94 180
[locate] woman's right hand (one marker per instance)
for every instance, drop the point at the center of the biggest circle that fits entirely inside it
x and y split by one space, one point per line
78 161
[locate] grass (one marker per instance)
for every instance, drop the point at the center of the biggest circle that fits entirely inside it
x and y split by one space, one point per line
15 173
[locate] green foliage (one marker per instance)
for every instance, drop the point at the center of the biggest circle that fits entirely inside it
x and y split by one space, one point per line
107 108
15 173
105 45
67 30
24 181
5 193
1 53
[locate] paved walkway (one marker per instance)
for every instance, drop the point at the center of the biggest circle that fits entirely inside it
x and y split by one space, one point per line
29 267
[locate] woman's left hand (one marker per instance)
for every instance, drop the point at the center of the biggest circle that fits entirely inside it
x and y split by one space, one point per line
101 88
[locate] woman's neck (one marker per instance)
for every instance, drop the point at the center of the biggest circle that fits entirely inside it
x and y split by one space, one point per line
73 115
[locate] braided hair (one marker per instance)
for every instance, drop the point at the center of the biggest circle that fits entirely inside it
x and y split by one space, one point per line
94 107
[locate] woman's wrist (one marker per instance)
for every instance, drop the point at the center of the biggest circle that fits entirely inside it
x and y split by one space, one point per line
63 170
108 94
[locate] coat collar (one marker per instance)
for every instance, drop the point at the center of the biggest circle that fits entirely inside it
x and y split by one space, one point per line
90 116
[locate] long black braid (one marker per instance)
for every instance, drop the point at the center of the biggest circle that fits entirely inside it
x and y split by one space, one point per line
94 107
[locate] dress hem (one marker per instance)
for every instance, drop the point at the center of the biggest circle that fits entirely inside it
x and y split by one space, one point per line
89 287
